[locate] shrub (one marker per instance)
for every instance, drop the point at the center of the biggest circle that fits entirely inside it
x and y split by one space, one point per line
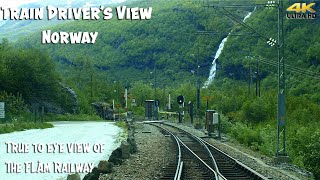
311 157
256 110
14 104
72 117
247 136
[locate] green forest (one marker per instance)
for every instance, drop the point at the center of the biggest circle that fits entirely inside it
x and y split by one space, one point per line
169 52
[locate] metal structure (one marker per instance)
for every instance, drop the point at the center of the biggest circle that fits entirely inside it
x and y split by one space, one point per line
209 121
149 109
198 88
190 110
155 117
281 122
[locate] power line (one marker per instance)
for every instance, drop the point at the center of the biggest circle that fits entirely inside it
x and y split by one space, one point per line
296 80
292 69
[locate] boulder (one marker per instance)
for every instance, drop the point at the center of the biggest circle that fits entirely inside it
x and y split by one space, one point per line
133 145
73 177
103 110
105 167
125 148
116 156
94 175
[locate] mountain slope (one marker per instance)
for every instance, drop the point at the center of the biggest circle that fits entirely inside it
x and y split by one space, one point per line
15 29
301 51
169 39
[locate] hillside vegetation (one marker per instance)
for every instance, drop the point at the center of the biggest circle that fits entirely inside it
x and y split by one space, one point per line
128 52
127 49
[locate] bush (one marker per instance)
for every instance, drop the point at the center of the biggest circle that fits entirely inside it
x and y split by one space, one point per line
311 157
72 117
14 104
267 134
256 110
123 125
247 136
8 128
139 111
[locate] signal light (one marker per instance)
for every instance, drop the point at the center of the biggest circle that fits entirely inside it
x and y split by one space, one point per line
157 102
180 99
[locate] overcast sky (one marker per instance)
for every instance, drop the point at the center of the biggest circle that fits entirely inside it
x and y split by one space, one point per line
17 3
14 3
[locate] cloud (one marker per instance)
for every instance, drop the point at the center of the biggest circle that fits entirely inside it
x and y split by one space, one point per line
14 3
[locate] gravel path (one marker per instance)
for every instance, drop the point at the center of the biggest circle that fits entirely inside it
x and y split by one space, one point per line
154 153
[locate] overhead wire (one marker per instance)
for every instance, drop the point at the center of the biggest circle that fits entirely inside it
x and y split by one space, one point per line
292 68
296 68
289 80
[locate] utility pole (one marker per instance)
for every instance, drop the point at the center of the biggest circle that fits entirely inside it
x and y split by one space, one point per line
155 93
91 93
126 100
91 84
259 85
169 103
164 96
198 88
118 93
258 80
250 77
234 94
281 154
113 108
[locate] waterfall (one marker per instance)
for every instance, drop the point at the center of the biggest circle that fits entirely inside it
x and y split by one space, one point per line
213 69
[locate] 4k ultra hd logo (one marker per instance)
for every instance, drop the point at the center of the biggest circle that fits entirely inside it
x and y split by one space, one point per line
302 11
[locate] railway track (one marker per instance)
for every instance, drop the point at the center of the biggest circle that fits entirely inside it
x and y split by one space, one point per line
231 168
188 164
198 159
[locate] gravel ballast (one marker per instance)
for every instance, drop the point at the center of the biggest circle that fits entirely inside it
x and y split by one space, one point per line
154 153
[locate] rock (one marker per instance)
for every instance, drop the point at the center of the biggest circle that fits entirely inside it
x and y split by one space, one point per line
49 107
125 147
74 97
131 141
133 145
116 156
123 152
105 167
94 175
103 110
73 177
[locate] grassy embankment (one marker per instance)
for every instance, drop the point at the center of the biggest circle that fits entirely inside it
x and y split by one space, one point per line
20 125
11 127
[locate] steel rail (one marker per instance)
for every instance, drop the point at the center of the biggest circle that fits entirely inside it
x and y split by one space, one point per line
178 172
180 162
236 161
